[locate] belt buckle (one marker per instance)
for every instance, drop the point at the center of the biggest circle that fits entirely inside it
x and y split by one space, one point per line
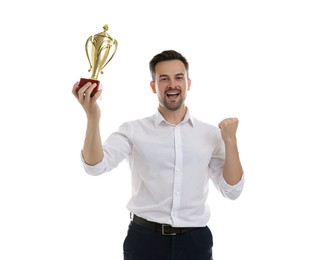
163 231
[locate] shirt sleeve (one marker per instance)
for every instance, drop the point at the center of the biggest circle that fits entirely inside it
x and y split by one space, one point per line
230 191
116 148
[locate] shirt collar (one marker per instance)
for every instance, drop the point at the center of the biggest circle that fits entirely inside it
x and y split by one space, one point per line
158 118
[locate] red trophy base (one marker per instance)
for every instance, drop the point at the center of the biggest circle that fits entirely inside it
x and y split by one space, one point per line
83 81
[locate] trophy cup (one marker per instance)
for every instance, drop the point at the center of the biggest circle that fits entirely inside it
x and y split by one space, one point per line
102 48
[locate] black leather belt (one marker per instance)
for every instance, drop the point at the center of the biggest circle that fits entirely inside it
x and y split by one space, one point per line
164 229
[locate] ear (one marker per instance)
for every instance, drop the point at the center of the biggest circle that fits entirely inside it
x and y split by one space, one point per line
153 87
188 84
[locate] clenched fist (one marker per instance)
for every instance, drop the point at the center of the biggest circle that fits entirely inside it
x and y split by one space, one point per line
228 129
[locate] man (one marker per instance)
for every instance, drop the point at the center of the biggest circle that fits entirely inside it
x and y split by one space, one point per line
172 156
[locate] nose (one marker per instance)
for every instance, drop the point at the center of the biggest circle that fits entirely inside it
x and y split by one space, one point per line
173 83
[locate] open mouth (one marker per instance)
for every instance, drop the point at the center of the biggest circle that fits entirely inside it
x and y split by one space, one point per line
173 94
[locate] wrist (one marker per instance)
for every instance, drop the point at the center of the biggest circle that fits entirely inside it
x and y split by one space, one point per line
93 120
230 141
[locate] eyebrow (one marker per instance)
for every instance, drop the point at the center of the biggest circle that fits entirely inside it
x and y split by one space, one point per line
177 74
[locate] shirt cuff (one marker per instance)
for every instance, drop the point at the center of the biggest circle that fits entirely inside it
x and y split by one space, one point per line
94 170
231 191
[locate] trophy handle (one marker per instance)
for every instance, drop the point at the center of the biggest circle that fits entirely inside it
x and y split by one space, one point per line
115 49
89 41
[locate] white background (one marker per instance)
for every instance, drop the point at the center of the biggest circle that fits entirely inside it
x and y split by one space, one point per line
262 61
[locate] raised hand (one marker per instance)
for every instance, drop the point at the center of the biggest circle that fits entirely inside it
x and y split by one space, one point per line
228 129
89 104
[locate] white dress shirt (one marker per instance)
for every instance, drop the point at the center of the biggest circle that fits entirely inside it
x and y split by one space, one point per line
171 166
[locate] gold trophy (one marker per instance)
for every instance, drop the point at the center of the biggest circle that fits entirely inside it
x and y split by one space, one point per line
102 48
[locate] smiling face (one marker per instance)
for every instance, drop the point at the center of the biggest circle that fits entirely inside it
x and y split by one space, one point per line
171 84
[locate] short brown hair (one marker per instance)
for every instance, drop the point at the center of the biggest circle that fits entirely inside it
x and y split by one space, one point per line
164 56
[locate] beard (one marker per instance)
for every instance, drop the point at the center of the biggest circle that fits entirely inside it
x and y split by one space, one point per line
172 105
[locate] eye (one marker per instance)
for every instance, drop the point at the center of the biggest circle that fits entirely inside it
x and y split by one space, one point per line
180 77
164 79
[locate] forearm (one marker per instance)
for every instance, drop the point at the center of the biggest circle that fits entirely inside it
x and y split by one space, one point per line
232 171
93 150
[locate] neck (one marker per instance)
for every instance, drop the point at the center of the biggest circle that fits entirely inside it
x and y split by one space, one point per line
171 116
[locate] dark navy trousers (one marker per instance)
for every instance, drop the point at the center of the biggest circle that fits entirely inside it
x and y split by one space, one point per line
144 244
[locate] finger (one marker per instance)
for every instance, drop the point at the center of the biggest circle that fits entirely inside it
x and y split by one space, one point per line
82 91
222 123
233 121
84 88
97 95
228 121
75 89
90 89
